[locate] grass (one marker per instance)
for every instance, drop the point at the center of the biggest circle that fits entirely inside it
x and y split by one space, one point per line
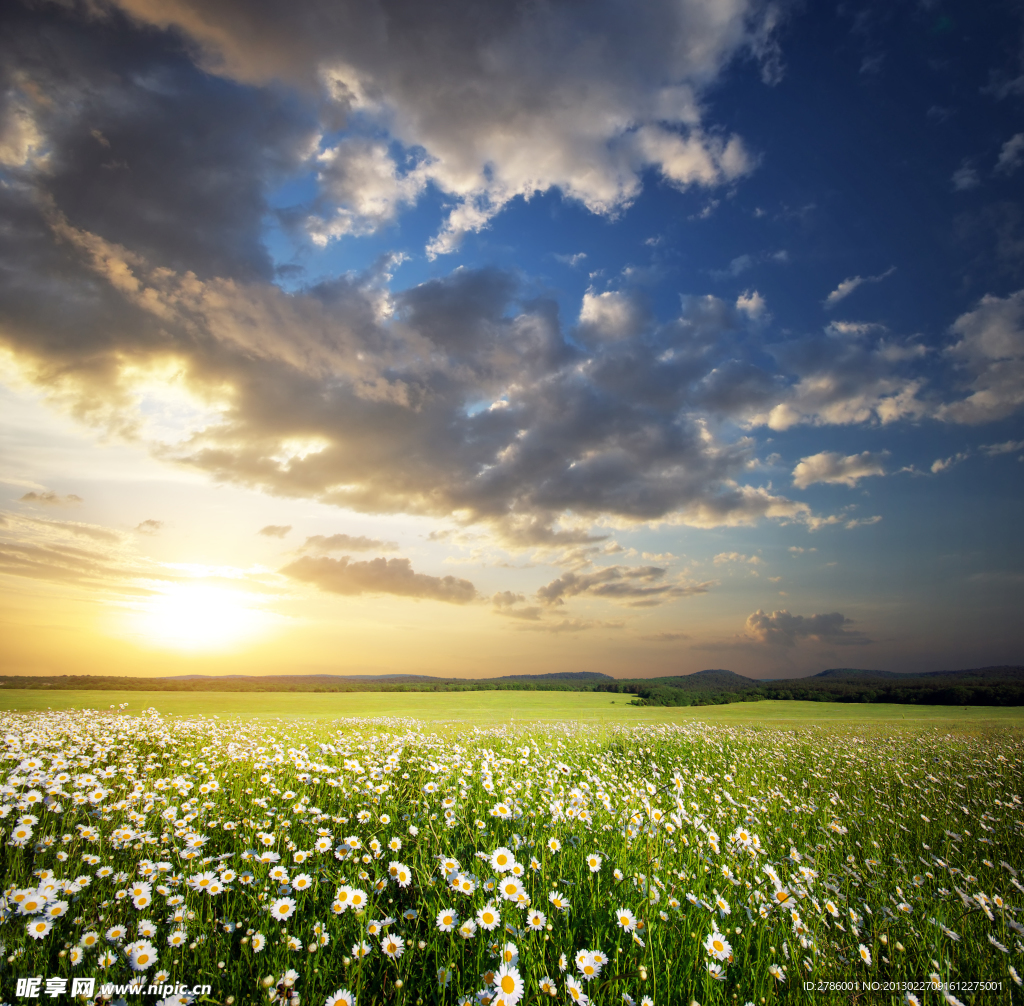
484 708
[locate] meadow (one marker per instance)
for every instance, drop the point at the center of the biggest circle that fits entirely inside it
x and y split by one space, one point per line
508 706
750 853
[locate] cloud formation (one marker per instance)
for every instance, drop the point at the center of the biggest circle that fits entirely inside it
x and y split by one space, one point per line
275 530
50 498
780 628
347 543
378 576
507 100
850 284
636 586
990 352
832 467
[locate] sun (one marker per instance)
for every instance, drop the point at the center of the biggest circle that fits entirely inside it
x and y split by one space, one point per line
198 617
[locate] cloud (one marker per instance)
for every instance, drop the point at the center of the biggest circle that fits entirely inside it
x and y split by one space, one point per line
665 637
50 498
941 464
571 625
990 352
847 286
378 576
347 543
570 260
780 628
637 587
848 375
753 305
832 467
275 530
611 315
1006 447
862 522
466 396
724 557
1011 156
510 101
965 178
149 527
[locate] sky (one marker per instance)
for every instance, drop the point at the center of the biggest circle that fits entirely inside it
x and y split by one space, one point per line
379 337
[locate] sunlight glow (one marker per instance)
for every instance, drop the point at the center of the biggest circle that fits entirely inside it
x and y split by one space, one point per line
193 617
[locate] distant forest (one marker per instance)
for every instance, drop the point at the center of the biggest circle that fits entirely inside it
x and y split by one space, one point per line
983 686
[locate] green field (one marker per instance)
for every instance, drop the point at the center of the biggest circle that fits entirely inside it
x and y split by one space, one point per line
484 708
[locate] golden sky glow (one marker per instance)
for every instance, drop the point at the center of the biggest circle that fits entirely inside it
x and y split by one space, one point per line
362 337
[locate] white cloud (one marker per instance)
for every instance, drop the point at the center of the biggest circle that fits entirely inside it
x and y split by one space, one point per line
611 315
1011 156
1006 447
511 101
753 305
850 284
832 467
941 464
965 178
990 350
363 184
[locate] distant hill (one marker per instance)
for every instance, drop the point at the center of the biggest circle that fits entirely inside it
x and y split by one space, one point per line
979 686
559 676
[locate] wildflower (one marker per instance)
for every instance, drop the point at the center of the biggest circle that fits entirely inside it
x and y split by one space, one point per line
258 942
554 845
89 939
536 920
341 998
38 928
776 972
594 862
488 917
301 881
587 965
141 955
283 908
501 859
393 946
574 990
511 888
446 920
716 972
547 986
468 929
560 902
717 946
865 954
509 983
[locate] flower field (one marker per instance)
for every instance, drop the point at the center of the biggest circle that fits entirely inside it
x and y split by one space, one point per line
378 862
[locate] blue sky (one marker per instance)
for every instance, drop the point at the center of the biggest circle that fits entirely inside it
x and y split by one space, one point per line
639 342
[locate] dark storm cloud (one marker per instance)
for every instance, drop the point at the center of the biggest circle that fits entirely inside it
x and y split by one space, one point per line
142 147
379 576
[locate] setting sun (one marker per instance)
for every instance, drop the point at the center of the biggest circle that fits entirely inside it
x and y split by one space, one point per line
194 618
